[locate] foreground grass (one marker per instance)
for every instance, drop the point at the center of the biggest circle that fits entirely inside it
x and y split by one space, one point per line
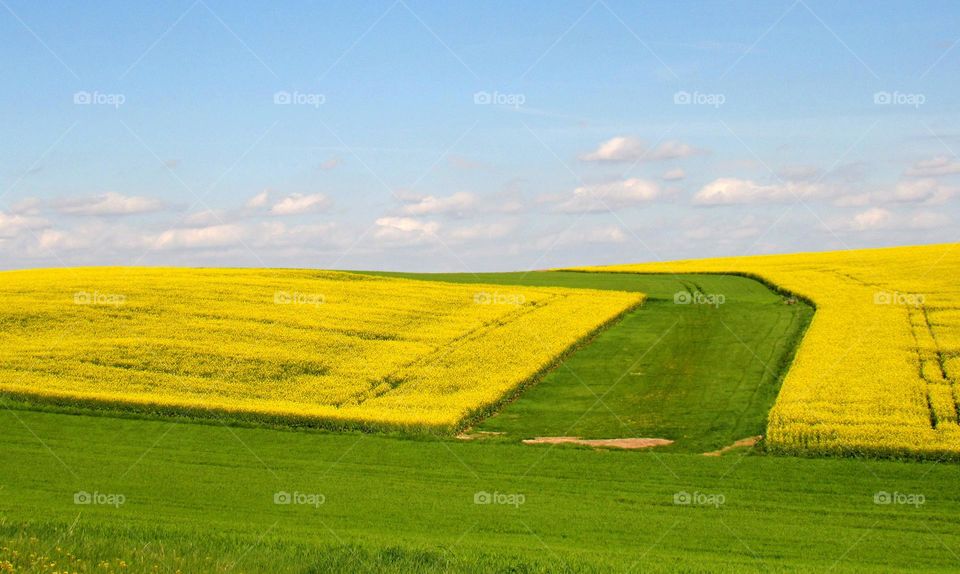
28 549
197 491
704 375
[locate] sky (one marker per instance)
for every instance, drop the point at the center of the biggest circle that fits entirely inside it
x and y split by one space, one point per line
472 136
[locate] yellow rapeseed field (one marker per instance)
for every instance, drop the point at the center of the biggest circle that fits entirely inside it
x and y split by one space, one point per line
877 371
309 346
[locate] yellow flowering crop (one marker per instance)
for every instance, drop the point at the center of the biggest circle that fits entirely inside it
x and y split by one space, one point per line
878 369
309 346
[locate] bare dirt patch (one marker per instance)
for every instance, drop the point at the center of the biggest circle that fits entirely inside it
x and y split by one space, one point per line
749 441
628 443
478 434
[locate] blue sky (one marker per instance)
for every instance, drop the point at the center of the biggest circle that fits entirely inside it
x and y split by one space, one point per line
469 136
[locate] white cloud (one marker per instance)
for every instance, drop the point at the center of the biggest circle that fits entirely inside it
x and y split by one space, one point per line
878 218
609 234
27 206
258 200
297 204
623 149
109 203
272 239
459 204
873 218
927 190
614 195
55 240
730 191
13 225
198 237
939 165
432 205
673 175
620 148
273 234
405 228
205 218
673 150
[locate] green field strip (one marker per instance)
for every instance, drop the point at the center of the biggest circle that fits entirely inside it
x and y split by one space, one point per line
710 372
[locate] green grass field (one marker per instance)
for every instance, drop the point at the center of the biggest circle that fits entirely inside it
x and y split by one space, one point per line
194 491
199 496
702 375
